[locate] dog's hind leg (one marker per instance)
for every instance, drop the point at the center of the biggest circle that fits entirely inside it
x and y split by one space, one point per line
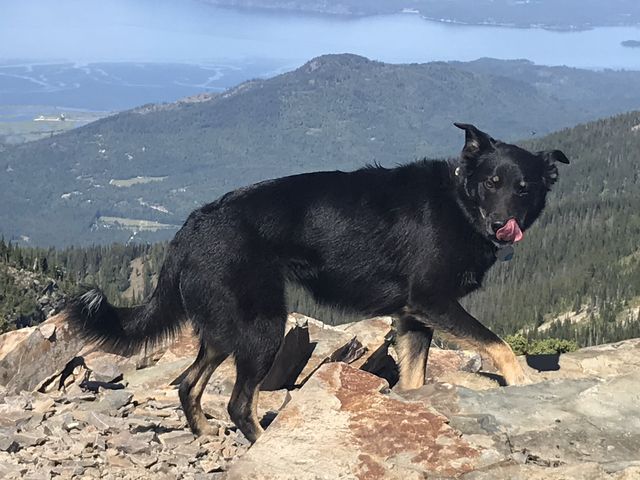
253 362
412 345
454 321
193 385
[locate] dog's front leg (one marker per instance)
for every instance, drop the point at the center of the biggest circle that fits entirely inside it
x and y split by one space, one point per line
453 320
413 339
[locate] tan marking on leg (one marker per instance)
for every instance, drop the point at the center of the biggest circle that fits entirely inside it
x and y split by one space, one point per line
501 354
197 378
412 365
507 363
254 411
466 331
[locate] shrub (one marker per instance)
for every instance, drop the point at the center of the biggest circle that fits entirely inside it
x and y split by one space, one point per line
522 346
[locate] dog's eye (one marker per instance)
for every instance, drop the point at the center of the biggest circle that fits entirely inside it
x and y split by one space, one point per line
489 184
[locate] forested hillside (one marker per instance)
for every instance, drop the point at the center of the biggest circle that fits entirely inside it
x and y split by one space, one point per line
583 255
31 278
144 170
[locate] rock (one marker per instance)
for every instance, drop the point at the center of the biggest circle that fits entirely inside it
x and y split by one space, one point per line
7 443
11 441
469 380
8 469
291 359
141 443
327 340
185 345
42 404
211 466
171 439
161 375
442 362
12 417
563 421
75 394
114 459
11 340
583 471
579 420
101 422
382 364
28 440
108 367
27 359
48 330
601 361
371 333
144 460
111 401
340 425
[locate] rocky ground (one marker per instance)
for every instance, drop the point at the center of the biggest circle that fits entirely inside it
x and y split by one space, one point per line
69 410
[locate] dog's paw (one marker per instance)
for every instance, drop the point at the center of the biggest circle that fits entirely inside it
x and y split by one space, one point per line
517 376
521 380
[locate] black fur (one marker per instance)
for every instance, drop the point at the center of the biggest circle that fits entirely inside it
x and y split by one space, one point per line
377 241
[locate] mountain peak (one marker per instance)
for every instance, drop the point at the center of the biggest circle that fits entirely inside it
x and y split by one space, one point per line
339 60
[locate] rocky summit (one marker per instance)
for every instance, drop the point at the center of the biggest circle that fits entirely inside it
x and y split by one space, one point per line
71 410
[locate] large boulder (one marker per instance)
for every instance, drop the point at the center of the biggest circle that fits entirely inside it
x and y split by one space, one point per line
29 358
344 424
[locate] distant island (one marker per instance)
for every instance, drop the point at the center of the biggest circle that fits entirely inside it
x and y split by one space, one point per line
631 43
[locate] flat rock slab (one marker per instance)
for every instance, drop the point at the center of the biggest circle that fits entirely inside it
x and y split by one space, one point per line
160 375
342 425
549 424
582 471
601 361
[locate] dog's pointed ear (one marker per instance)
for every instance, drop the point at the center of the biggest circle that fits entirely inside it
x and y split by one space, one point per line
551 158
476 142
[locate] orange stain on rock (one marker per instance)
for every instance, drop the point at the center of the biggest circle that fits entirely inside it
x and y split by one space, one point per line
385 428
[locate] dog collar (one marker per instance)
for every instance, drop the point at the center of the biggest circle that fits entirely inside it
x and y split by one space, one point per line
505 253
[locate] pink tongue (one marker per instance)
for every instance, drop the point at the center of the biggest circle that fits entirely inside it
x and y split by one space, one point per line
510 232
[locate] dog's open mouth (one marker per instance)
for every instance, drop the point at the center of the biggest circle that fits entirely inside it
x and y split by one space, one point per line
510 232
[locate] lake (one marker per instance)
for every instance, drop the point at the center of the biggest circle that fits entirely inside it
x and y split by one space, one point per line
192 32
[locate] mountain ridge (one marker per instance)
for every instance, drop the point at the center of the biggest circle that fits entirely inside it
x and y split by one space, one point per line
335 112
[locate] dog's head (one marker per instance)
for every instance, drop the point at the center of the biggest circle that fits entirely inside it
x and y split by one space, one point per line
505 185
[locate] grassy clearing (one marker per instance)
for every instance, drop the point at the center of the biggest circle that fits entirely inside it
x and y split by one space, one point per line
134 225
129 182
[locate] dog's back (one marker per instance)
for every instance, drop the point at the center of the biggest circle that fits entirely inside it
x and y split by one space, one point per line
353 239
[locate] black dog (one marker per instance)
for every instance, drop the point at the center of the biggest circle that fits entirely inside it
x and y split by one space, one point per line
408 241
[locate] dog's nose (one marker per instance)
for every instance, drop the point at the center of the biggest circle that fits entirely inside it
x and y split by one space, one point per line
497 226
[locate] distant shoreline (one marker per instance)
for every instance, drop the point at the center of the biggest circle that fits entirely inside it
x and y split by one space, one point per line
344 15
631 43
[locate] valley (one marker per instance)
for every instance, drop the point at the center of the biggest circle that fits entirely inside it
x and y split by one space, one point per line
334 112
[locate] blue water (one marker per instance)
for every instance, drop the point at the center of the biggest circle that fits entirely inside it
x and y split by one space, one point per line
193 32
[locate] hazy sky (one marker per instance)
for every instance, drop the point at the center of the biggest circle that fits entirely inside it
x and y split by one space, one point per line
189 31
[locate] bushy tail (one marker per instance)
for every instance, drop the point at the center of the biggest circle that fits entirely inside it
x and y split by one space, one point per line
127 330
